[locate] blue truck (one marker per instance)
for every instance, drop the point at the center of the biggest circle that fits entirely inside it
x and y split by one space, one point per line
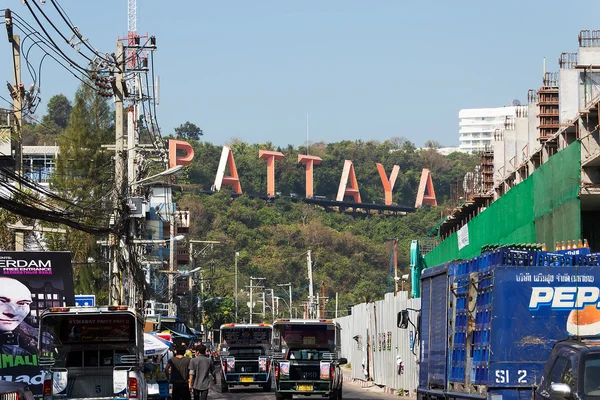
510 324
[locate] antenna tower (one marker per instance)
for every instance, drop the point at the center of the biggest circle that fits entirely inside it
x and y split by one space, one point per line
131 30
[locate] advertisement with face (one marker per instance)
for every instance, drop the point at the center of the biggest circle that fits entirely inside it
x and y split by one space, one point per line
30 282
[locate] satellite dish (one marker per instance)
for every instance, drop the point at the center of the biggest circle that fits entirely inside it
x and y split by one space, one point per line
516 102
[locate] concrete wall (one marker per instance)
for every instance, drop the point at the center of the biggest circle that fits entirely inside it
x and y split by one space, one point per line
521 138
588 55
589 89
568 94
499 171
510 150
533 123
370 338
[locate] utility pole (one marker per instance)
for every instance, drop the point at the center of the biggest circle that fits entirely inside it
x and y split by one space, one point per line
172 307
311 296
208 244
264 305
290 293
336 305
17 95
19 229
18 104
395 267
119 190
252 286
322 300
236 285
272 303
251 299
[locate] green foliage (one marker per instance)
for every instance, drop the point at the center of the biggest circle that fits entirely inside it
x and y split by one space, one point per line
58 111
84 174
349 254
188 131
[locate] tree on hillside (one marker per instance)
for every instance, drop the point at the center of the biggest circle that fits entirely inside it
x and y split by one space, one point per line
188 131
397 141
58 111
432 144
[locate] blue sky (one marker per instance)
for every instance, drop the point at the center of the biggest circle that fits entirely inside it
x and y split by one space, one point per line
362 70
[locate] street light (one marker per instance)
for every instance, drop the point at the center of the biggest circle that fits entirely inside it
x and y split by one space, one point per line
170 171
157 241
237 254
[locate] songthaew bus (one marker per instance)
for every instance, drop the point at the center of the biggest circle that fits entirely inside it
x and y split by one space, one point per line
306 358
246 355
92 352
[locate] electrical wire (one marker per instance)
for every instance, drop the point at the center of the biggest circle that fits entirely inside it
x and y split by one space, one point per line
26 2
43 41
67 20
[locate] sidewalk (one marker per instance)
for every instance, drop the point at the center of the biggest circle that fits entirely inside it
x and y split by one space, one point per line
369 386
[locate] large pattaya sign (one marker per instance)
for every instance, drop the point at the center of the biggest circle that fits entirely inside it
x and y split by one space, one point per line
348 182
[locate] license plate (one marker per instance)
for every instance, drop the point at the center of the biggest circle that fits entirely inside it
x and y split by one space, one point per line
304 388
246 379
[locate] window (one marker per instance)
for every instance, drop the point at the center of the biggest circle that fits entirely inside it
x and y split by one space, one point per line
307 354
249 352
569 378
591 376
557 370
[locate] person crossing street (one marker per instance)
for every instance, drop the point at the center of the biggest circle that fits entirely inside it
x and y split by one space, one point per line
201 368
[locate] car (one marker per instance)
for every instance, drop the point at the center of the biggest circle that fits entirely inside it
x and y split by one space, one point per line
15 391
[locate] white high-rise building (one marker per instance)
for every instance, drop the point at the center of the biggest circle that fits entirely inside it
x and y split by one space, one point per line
477 126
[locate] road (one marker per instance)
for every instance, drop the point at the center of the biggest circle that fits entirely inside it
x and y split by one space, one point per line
350 392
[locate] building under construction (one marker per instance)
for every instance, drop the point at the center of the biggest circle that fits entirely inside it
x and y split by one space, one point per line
539 181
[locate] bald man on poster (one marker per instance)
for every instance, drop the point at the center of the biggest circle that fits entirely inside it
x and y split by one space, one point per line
17 337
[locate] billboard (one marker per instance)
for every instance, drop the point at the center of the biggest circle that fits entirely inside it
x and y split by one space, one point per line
30 282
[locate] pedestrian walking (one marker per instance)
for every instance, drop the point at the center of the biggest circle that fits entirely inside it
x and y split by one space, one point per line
201 368
178 368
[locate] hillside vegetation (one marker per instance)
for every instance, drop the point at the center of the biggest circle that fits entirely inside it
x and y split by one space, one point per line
350 253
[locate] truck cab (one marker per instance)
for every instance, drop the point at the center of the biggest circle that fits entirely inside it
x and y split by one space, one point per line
246 355
306 358
572 370
92 353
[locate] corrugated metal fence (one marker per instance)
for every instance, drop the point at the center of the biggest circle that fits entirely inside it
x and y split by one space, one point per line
372 342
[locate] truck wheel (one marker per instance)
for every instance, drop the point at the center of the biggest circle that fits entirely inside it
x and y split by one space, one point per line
224 387
339 393
281 396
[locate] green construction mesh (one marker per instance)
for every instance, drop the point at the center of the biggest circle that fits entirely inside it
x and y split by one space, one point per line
544 208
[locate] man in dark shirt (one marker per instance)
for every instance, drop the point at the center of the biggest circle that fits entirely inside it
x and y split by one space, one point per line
201 367
177 370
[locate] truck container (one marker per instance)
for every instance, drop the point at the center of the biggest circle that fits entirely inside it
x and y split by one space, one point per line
488 325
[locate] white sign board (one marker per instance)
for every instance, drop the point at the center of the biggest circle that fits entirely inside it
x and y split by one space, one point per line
463 236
